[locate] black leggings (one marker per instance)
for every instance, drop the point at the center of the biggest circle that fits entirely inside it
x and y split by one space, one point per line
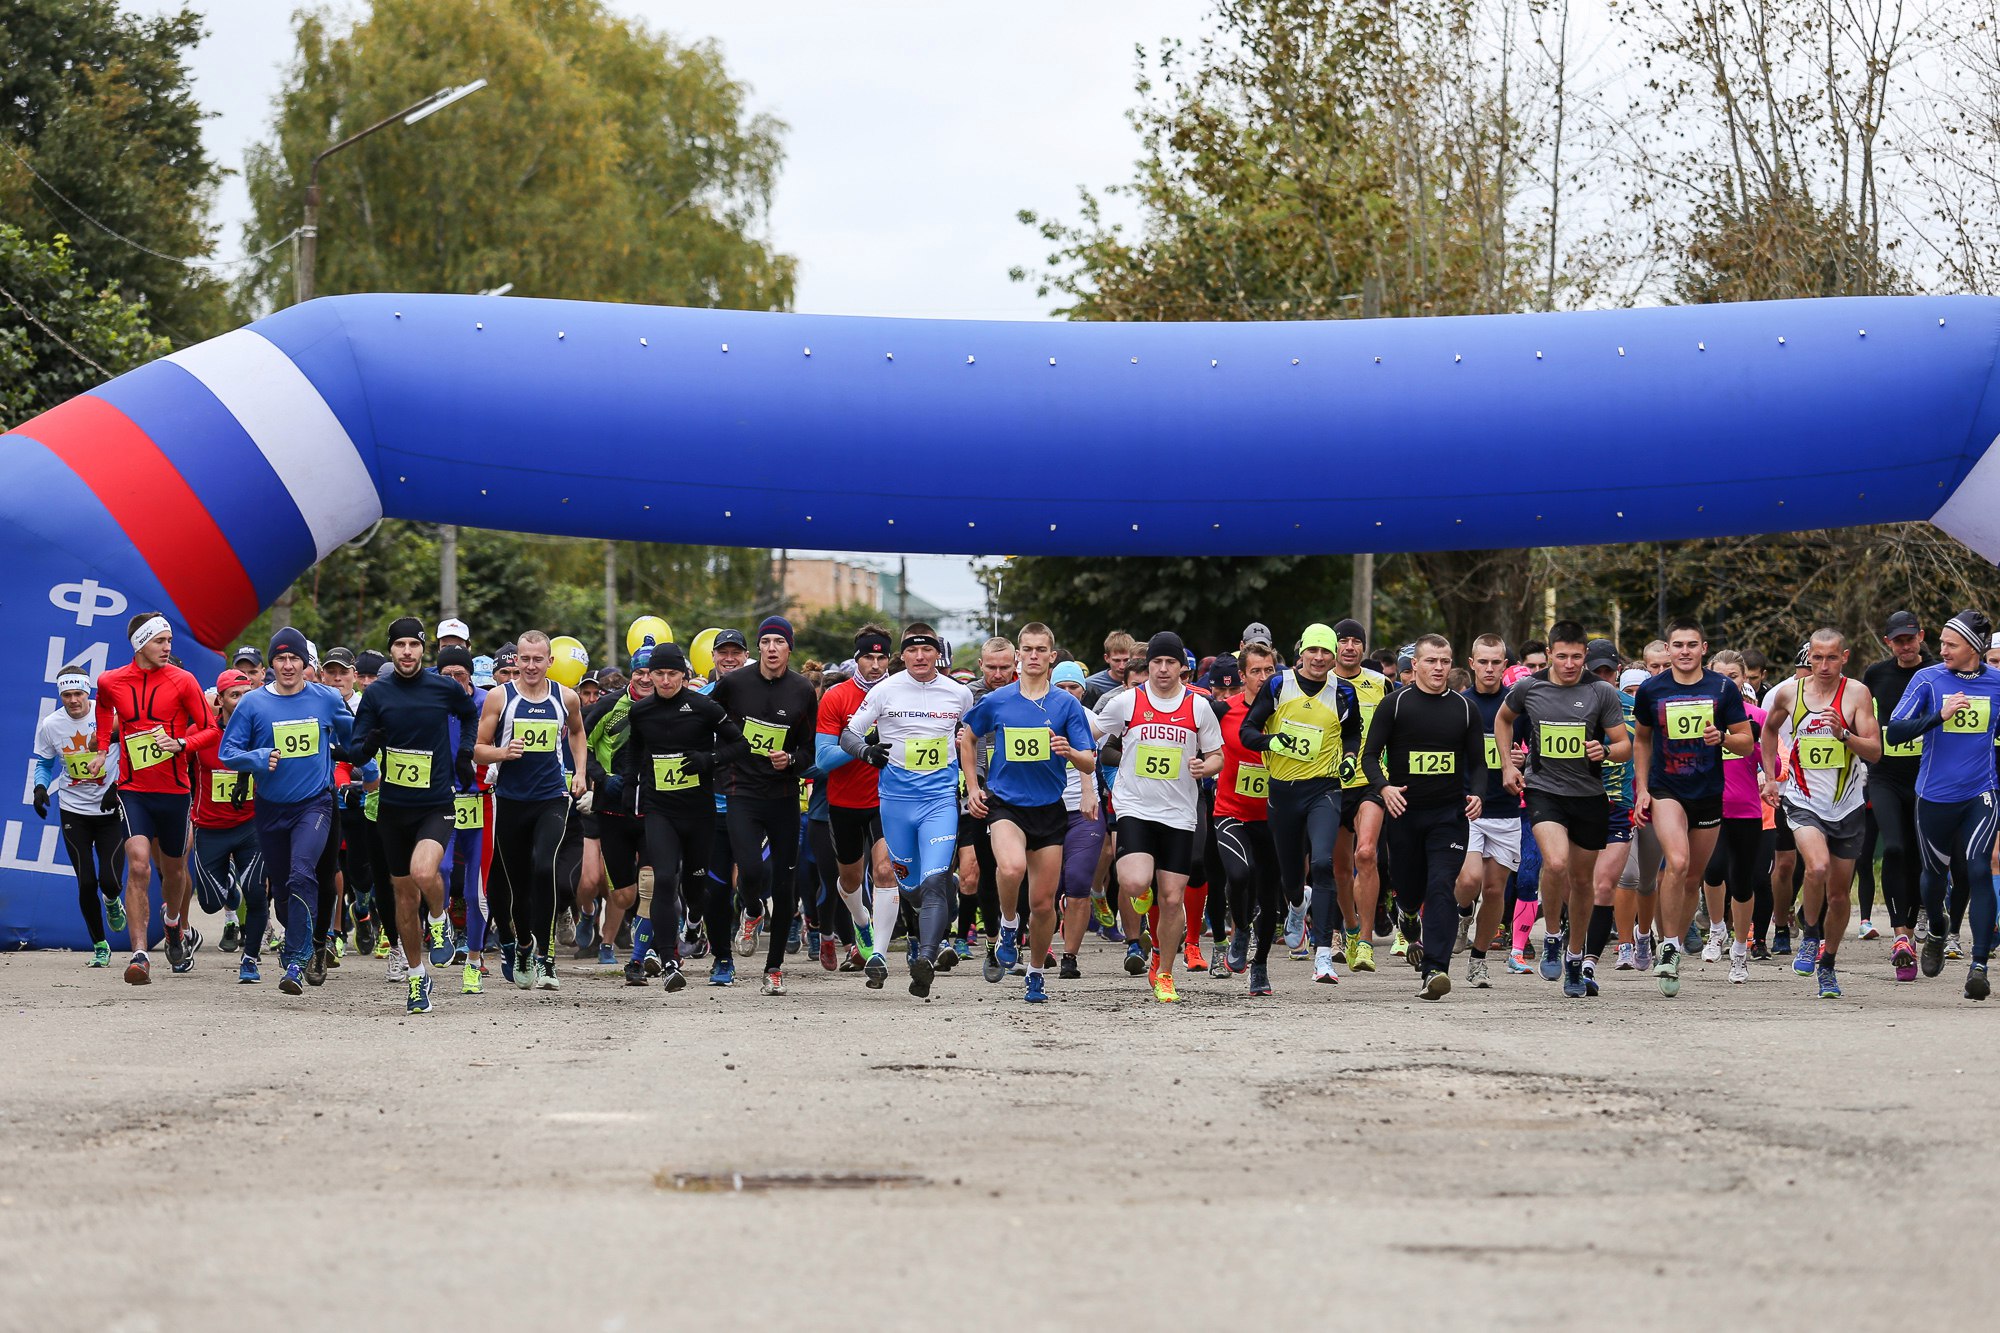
1305 825
754 821
677 851
1250 867
830 913
1737 859
1429 852
1895 812
527 835
95 844
1954 833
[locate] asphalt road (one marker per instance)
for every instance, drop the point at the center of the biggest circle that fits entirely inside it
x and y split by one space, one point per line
196 1151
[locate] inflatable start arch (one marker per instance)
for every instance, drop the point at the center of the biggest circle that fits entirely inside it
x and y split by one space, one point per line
204 483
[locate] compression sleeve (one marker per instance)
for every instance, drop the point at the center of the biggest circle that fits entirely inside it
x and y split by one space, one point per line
1251 729
828 754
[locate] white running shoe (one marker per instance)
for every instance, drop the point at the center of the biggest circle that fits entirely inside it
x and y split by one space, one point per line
1718 940
1323 966
399 967
1953 946
1464 939
1475 972
1624 963
1739 966
1867 930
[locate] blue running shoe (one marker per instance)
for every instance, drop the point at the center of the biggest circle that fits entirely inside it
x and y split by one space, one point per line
1781 941
420 995
1807 958
1517 964
1829 985
722 972
812 942
1037 992
507 962
1006 950
1573 985
864 940
1295 926
294 982
606 955
1552 957
1590 991
441 944
962 946
1111 934
1135 958
1239 951
247 973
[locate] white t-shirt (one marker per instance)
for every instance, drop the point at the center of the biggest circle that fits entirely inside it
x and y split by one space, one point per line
60 734
1156 778
903 710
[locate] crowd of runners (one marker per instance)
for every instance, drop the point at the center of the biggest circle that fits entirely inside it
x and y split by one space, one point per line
1520 807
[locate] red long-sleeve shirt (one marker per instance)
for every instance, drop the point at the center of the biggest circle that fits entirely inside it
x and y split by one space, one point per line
131 701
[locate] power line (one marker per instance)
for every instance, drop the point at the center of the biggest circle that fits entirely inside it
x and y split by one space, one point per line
143 249
65 343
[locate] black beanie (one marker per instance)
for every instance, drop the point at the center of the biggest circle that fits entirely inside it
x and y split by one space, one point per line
453 655
1166 644
406 627
288 640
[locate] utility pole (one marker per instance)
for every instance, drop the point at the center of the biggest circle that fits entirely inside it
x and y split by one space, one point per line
902 591
610 603
1361 596
302 276
448 571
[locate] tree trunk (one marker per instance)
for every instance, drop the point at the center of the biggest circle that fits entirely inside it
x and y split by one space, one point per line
1479 592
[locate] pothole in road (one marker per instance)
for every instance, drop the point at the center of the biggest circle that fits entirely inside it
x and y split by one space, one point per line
762 1182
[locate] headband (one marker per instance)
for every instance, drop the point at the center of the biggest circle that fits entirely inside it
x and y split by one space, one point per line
152 629
923 641
74 680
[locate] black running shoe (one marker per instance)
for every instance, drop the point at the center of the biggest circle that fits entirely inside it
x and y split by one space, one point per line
921 972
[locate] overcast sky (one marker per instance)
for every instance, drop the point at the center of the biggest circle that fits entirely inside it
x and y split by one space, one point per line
1020 104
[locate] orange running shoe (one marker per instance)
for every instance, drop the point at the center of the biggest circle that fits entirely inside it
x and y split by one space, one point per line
1163 988
1191 955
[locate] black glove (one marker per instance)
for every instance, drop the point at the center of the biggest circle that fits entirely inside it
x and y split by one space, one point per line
352 794
876 754
240 792
110 801
361 751
41 801
466 772
698 762
610 792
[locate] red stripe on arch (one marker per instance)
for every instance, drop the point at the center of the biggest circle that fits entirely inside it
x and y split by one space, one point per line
167 522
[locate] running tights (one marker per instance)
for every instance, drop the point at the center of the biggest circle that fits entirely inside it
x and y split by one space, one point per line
1895 812
1305 825
1250 869
754 822
95 844
1963 830
1427 850
677 850
527 835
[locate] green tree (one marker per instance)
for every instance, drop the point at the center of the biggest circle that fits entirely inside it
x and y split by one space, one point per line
605 162
100 140
59 334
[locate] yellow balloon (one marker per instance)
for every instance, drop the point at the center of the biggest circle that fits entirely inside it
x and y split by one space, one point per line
568 660
701 653
643 628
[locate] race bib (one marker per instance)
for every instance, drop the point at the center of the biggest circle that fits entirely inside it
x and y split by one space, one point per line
1254 782
536 737
927 755
763 737
143 751
670 773
406 768
1433 763
295 740
1688 719
1492 752
222 786
1160 762
78 765
1975 716
1306 740
1026 745
468 811
1821 752
1560 740
1912 749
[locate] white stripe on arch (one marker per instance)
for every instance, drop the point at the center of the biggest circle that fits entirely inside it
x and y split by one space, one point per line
298 434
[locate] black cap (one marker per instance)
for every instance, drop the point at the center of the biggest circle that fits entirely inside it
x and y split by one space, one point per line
1166 644
247 654
730 636
453 655
1900 622
1600 652
370 662
1224 673
1349 629
338 657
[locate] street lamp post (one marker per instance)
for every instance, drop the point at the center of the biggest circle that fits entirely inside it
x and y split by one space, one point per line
309 232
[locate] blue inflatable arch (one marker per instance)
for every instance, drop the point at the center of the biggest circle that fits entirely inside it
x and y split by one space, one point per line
206 482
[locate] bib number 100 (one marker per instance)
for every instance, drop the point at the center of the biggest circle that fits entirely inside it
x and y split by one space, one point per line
1562 740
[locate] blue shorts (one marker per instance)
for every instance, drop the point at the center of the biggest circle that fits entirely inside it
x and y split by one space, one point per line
1620 827
922 835
159 815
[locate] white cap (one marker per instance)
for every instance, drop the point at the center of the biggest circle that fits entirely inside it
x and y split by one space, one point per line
455 629
1633 678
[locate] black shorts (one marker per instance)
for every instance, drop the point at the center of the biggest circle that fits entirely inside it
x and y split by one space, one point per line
1042 825
972 833
1701 811
855 831
588 823
1783 827
1172 849
623 841
1587 819
1351 801
402 827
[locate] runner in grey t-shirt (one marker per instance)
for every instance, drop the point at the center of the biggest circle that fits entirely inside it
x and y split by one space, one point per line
1572 723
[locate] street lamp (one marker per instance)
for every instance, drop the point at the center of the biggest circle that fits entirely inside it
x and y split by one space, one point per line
409 115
